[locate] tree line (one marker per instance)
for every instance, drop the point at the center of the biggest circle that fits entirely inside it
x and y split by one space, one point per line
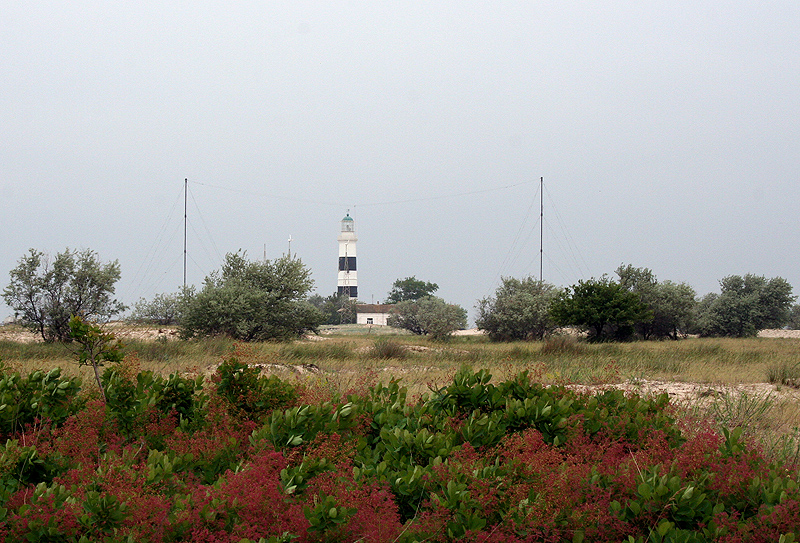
272 300
636 305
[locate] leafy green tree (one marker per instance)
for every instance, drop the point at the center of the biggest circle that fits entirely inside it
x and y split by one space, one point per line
674 310
410 288
163 309
794 317
603 306
45 292
253 301
519 310
746 305
673 305
335 308
96 346
429 316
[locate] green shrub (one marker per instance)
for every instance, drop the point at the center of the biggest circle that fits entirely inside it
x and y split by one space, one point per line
520 310
252 301
39 396
301 424
129 398
179 394
124 397
745 305
430 316
250 394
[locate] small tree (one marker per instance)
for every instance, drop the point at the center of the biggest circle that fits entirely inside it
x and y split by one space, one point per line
746 305
794 317
96 346
429 316
410 288
334 308
45 293
602 306
674 310
519 310
253 301
163 309
673 305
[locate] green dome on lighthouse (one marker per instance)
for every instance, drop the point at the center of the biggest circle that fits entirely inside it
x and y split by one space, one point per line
348 224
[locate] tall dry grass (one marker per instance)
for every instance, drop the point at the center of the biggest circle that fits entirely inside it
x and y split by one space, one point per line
556 360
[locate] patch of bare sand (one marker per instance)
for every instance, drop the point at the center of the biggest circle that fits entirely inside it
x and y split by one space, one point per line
126 331
120 329
469 332
694 393
795 334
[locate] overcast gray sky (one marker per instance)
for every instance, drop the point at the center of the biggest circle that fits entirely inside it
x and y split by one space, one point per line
667 133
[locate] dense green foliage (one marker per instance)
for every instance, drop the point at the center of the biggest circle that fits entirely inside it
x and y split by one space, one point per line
253 301
602 306
746 305
410 288
430 316
519 310
39 396
174 460
45 293
794 317
163 309
336 308
249 392
672 305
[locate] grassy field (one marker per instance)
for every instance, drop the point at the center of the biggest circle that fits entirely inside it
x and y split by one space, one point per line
345 359
349 349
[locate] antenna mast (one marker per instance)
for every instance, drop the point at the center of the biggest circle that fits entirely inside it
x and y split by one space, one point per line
185 193
541 225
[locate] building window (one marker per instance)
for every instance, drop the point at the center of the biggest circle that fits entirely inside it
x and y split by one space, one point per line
369 320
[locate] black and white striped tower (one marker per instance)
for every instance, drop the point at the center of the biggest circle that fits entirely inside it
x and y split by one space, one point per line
347 279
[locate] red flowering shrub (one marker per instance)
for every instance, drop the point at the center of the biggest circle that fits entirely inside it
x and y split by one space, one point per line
246 504
45 515
217 447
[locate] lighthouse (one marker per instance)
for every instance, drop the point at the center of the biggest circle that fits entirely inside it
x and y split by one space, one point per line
347 279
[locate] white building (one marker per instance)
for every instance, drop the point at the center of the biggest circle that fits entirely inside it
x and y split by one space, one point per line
347 279
377 314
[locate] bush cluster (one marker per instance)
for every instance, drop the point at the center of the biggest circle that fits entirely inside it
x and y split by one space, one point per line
429 316
637 306
174 459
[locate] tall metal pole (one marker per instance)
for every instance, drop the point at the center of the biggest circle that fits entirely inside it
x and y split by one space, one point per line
541 225
185 198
